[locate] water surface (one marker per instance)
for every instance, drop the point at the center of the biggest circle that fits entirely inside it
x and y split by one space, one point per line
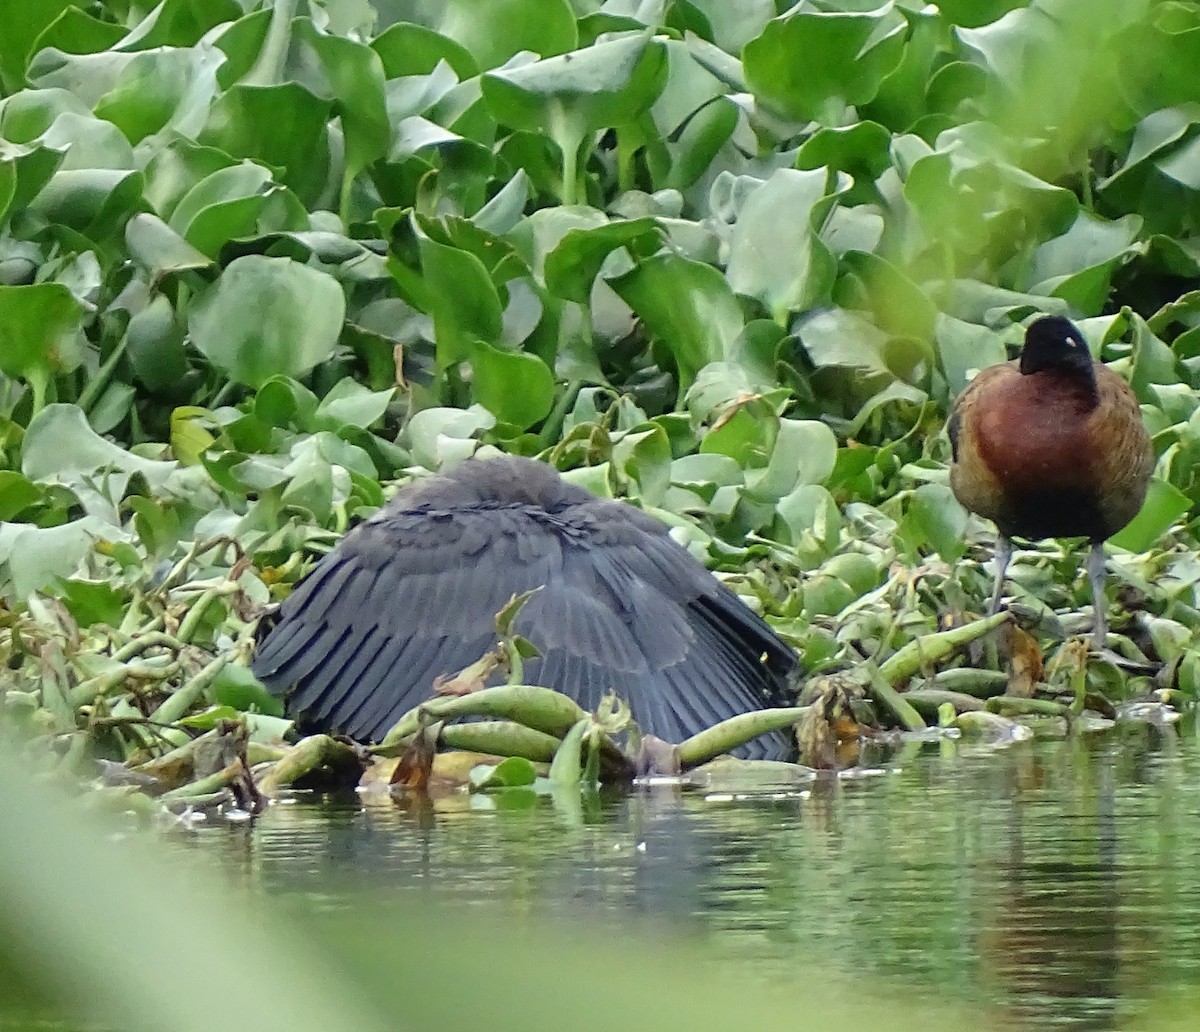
1047 885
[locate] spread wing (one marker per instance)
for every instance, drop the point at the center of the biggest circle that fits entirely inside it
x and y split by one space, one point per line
413 593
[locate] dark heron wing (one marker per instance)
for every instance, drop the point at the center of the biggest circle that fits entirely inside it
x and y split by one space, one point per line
412 594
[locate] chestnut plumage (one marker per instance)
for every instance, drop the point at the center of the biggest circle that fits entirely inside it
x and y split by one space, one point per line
1051 445
412 594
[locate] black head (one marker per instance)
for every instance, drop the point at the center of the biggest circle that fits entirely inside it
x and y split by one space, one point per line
1053 342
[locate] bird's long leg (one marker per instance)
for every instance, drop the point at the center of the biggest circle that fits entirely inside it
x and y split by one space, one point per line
1003 557
1095 570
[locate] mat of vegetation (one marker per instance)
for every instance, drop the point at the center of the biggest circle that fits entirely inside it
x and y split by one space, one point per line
729 259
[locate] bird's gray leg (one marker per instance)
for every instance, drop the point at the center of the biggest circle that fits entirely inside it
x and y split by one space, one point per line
1095 569
1003 557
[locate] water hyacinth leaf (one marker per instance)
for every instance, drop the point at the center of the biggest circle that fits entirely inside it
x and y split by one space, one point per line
407 49
24 21
96 202
846 56
606 85
178 168
17 493
934 518
1079 265
970 178
1157 56
495 31
895 302
78 32
282 401
861 150
236 686
35 321
1153 361
735 22
59 443
687 305
572 266
836 337
179 23
154 345
159 249
602 86
266 316
27 168
804 452
112 407
37 557
516 387
502 213
694 149
282 126
964 349
88 143
438 436
513 772
461 297
775 254
91 602
221 205
191 436
356 79
349 403
163 87
1164 504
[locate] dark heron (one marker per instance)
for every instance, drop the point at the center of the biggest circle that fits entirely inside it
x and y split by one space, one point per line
412 594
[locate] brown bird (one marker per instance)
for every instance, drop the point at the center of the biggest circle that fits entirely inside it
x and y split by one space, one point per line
1051 445
412 594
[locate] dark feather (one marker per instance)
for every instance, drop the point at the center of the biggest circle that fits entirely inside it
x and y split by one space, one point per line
412 594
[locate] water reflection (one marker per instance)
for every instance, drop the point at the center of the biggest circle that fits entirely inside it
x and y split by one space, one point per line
1053 884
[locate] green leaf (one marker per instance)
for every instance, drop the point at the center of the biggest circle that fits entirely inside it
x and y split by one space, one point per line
572 266
846 56
349 403
934 518
1079 265
515 387
24 21
566 97
514 772
16 494
462 299
59 443
687 305
159 249
1164 504
495 31
356 79
775 253
92 602
161 88
281 126
154 345
237 687
266 316
406 49
35 321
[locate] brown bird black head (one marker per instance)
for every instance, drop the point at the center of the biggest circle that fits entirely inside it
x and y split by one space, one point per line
1051 445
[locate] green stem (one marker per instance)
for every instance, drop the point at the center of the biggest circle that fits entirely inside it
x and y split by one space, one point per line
97 384
570 156
39 382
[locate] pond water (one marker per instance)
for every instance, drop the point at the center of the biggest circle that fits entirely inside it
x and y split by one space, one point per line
1044 885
